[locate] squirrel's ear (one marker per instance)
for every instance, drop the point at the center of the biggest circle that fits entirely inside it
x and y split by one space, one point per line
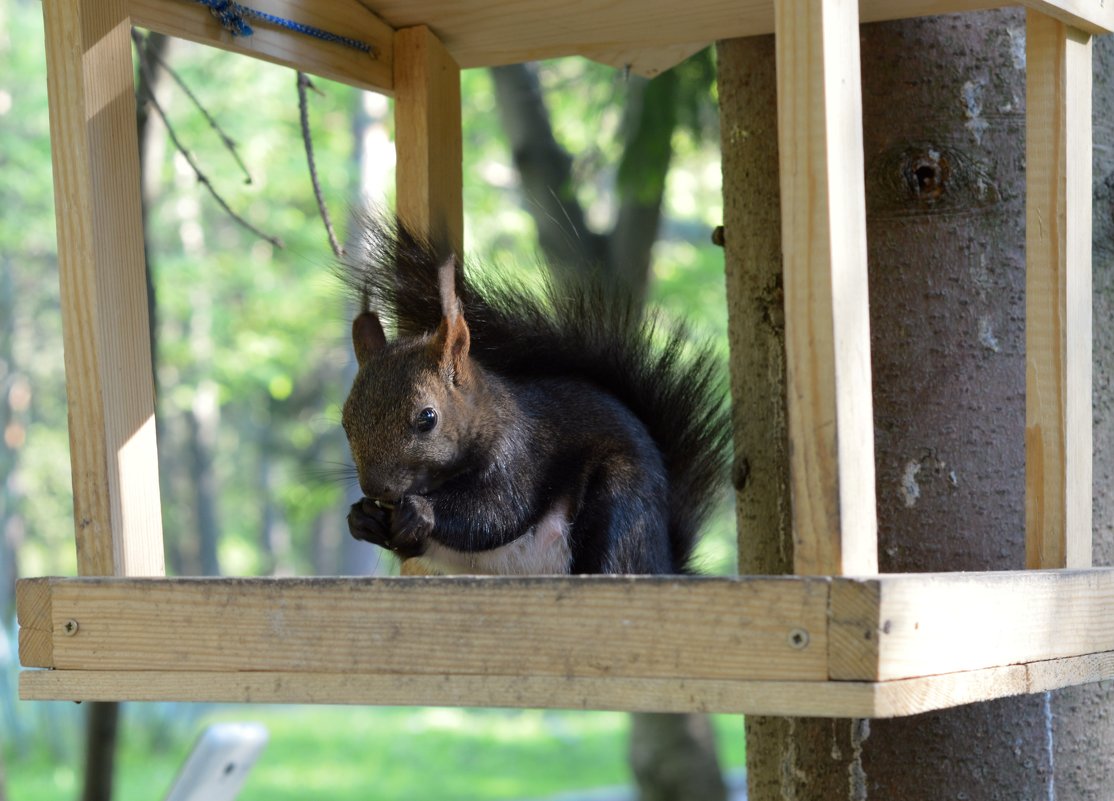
452 340
452 337
446 284
367 336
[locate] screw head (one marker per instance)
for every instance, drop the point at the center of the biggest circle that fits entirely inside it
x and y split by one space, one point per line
70 628
798 638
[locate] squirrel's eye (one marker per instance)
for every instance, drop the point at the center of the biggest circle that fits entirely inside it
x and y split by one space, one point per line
426 420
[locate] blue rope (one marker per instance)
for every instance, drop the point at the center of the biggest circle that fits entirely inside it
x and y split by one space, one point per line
231 15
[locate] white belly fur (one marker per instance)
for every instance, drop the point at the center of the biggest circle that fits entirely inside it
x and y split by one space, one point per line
542 550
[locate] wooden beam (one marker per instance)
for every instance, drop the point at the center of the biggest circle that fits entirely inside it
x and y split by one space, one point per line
33 614
831 426
911 625
660 628
824 699
914 696
103 287
1088 16
835 699
1058 294
186 19
755 645
428 172
645 34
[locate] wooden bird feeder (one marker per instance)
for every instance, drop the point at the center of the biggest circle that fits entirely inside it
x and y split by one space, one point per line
836 639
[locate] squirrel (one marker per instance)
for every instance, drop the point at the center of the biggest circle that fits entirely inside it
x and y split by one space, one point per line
501 431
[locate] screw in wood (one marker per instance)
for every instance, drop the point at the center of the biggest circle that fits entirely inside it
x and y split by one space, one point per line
70 627
798 638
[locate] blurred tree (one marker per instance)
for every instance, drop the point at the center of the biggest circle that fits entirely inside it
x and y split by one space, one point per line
651 111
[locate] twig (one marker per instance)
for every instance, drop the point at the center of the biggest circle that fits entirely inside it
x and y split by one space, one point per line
201 177
303 112
228 142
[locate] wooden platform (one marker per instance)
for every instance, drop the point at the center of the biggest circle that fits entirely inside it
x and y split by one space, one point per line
845 643
646 35
843 647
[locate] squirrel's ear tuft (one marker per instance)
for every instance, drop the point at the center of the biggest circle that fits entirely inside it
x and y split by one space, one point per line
367 336
452 340
452 335
446 284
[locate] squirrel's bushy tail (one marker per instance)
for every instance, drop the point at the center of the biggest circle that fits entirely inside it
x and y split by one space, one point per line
589 332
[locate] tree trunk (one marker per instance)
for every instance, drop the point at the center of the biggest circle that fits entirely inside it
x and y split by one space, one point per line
15 402
943 101
100 750
673 758
1081 716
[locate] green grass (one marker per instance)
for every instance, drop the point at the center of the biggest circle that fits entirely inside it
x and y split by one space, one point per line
341 753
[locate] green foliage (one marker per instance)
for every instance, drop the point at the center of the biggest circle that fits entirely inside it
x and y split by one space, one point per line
354 753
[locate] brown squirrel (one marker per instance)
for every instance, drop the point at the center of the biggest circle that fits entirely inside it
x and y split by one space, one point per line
503 431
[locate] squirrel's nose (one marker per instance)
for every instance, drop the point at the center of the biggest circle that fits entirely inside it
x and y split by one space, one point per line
378 490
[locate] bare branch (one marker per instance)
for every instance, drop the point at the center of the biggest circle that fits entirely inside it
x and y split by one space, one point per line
303 112
228 142
201 177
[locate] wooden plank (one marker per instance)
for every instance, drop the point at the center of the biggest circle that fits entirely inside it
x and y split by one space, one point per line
794 698
640 33
34 618
928 624
1089 16
914 696
667 628
853 642
429 149
823 207
103 287
1058 295
428 172
647 36
823 699
349 18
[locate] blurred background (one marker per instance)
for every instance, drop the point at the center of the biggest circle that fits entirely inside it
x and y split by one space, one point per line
565 162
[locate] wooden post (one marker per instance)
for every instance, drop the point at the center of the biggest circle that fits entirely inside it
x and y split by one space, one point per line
831 427
104 299
429 182
1058 294
428 138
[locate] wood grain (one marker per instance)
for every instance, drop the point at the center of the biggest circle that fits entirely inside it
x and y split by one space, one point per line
929 624
830 699
913 696
428 172
109 381
642 33
349 18
33 614
585 626
827 334
1058 295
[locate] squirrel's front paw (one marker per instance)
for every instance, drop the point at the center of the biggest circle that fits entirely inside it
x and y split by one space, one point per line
370 523
411 525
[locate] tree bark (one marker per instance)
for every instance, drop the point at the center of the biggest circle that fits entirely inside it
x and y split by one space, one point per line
943 104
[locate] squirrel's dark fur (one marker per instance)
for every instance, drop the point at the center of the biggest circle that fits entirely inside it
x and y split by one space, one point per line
510 431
